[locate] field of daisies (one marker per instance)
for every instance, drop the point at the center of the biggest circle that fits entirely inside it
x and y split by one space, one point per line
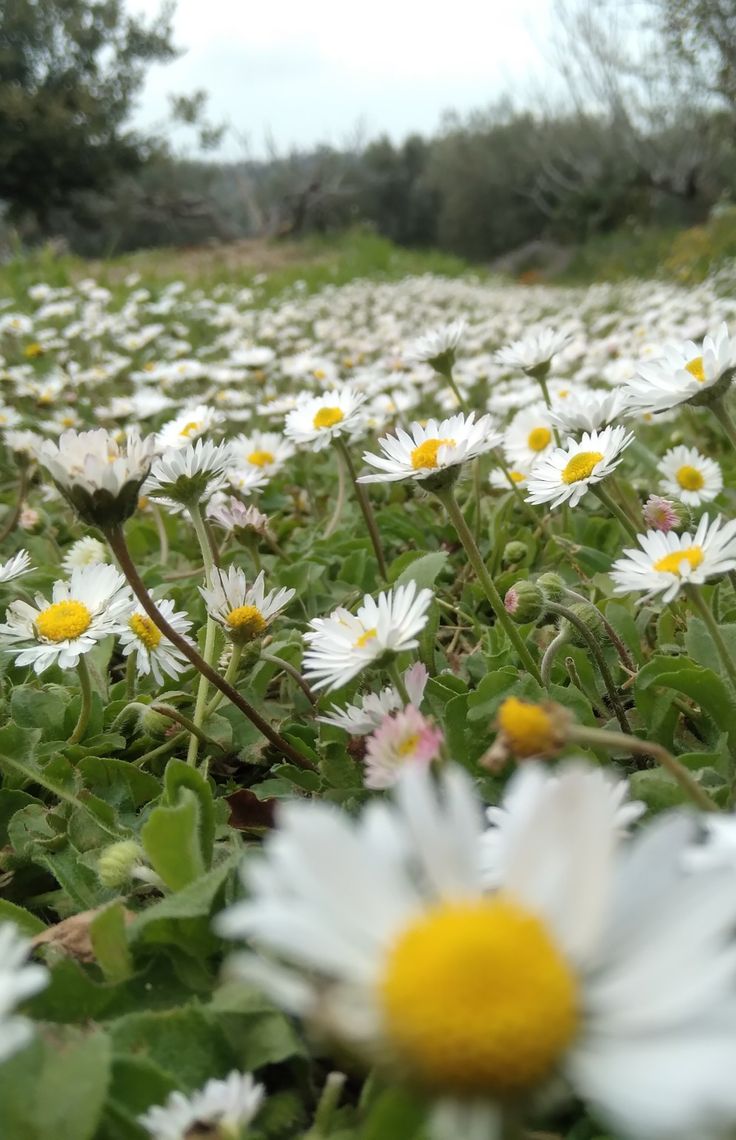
368 712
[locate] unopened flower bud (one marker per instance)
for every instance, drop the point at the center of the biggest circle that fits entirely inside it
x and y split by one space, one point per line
552 586
154 723
116 863
591 617
514 551
665 515
524 602
526 730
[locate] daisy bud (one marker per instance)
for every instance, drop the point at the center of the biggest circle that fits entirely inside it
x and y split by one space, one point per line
116 863
663 514
514 551
525 730
552 586
30 520
99 478
590 615
153 723
524 602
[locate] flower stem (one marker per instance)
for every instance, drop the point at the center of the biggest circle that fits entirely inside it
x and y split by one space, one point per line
447 497
295 675
615 509
599 737
230 674
365 505
119 547
597 653
448 376
130 678
550 653
626 659
724 417
163 538
85 686
210 637
698 602
340 500
189 725
12 520
398 681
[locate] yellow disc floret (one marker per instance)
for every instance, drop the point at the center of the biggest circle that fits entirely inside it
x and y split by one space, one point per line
190 429
528 728
581 466
426 454
672 563
539 438
63 621
260 458
328 417
696 369
365 638
145 630
689 478
478 999
246 622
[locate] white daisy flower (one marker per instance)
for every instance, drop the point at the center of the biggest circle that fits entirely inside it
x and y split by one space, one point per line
316 420
233 515
686 373
9 417
525 792
608 967
16 566
689 476
188 426
365 717
668 561
500 481
529 436
227 1106
189 474
100 478
589 410
343 644
155 654
243 611
24 445
82 612
438 346
265 451
86 551
568 472
431 448
18 981
402 738
534 350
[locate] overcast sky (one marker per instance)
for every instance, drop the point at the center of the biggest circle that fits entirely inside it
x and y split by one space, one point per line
308 71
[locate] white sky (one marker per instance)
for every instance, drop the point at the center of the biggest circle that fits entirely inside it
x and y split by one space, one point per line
309 71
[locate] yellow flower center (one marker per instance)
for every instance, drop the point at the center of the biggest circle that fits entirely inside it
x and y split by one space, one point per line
689 478
319 374
581 466
247 621
32 350
328 417
426 454
190 428
63 621
145 630
671 563
408 744
527 727
365 638
260 458
539 438
696 369
478 999
517 476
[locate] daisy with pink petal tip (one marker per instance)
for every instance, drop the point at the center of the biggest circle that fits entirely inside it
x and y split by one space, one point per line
362 719
403 738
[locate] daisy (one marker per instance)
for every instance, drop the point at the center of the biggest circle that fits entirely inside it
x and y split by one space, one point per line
82 612
402 738
16 566
243 611
438 346
500 480
190 474
528 437
18 981
226 1107
686 373
361 719
590 410
99 478
430 449
343 644
317 420
188 426
533 351
233 515
380 933
265 451
661 514
669 561
86 551
689 476
568 472
155 654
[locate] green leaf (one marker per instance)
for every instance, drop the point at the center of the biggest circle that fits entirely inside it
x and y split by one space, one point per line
423 569
702 685
26 922
161 921
394 1115
179 775
110 943
700 644
171 839
56 1090
43 709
